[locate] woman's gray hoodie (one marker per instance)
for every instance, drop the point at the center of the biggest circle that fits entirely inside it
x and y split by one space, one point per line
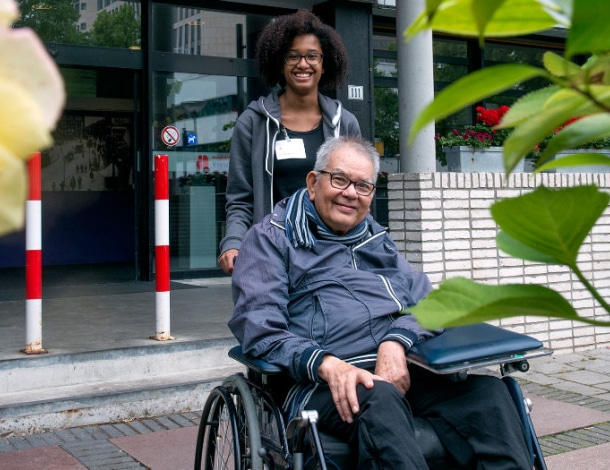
250 180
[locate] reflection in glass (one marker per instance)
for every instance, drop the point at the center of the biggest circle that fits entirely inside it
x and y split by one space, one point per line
450 64
90 153
203 109
384 62
386 121
500 53
86 22
195 31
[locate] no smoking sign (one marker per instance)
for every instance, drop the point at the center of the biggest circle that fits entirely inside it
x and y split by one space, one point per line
170 136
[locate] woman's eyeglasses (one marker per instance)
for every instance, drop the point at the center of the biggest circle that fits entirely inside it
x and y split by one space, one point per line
312 58
340 181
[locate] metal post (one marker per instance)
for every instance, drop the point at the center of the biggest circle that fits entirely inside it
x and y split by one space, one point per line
415 89
162 300
33 260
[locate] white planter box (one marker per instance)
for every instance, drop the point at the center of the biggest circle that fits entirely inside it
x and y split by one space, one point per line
469 159
583 169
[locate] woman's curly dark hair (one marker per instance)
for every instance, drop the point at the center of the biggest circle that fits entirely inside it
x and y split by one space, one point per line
276 40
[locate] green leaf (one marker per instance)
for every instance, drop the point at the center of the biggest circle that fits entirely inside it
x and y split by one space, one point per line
590 31
470 17
565 8
593 98
421 23
600 99
516 249
473 88
527 106
534 130
483 11
594 71
559 66
552 221
583 131
575 160
432 6
459 301
597 68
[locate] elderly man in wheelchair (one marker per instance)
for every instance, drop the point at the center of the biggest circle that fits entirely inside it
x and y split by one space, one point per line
319 291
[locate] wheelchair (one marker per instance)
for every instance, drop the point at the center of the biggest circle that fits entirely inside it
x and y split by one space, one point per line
243 428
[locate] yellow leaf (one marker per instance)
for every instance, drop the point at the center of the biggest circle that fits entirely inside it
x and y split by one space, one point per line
25 61
12 192
22 127
8 12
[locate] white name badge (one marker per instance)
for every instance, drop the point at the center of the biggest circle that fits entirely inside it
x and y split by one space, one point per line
290 149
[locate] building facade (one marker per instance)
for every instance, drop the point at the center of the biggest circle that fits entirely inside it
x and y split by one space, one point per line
133 69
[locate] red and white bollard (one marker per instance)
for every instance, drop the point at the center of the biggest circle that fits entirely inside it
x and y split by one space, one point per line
33 259
162 300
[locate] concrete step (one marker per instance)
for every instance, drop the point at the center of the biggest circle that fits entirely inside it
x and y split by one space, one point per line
57 370
44 393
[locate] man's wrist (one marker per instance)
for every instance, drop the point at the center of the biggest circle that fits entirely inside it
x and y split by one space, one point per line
310 363
328 363
392 347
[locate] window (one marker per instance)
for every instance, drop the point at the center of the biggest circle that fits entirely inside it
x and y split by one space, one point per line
496 53
203 108
80 26
208 32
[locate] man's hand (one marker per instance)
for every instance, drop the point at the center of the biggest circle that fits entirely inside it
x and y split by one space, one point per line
392 365
227 260
342 378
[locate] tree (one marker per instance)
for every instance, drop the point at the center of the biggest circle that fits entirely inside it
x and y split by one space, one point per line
546 226
386 119
119 28
53 20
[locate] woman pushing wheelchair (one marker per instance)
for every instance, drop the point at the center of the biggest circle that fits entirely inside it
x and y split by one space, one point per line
319 288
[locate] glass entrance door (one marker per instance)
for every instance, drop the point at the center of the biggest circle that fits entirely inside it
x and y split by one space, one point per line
203 109
87 177
204 74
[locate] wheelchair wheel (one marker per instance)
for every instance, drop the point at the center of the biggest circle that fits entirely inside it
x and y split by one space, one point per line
229 436
526 420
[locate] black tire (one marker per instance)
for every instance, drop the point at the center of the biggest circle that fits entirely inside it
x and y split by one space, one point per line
218 439
229 437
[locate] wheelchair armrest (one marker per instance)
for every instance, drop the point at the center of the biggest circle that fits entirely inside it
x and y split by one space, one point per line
258 365
466 347
455 350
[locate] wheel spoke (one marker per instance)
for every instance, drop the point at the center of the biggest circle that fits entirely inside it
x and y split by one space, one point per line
229 436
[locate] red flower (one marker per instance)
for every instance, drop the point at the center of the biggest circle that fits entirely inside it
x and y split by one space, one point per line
482 134
568 122
490 117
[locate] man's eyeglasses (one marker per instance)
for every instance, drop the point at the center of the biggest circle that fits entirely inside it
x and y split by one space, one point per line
340 181
312 58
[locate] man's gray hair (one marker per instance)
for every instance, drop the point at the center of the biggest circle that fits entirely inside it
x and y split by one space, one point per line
359 144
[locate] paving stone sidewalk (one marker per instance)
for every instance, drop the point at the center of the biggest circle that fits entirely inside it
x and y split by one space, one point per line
94 446
572 390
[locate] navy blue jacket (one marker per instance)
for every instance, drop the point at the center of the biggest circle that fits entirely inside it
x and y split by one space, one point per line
293 305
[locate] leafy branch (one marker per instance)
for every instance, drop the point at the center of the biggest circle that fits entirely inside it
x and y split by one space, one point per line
544 226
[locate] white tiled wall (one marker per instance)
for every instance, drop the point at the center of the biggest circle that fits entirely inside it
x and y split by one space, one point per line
442 225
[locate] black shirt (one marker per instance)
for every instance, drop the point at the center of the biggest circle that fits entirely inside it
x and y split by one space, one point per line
289 174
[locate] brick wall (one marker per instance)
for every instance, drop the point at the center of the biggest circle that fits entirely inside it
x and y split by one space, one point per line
442 225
